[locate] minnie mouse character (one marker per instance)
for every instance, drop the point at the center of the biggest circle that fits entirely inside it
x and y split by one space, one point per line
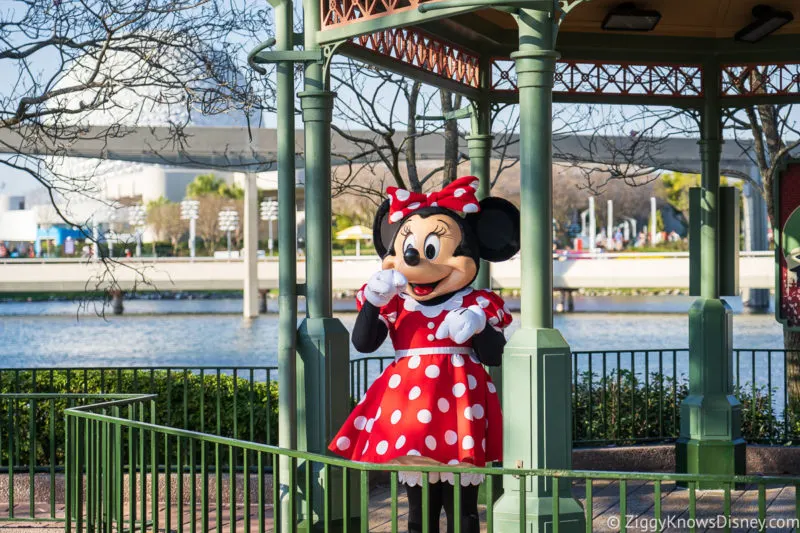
435 403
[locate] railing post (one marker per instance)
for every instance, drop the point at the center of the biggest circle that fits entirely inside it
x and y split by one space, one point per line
711 440
323 342
69 456
537 432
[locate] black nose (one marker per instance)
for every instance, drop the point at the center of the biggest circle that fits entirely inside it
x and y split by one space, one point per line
411 256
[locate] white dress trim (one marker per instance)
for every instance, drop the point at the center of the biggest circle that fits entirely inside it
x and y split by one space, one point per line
414 479
432 311
442 350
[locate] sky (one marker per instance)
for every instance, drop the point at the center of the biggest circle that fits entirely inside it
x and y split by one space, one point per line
15 182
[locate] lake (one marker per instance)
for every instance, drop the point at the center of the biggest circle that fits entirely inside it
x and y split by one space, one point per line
211 332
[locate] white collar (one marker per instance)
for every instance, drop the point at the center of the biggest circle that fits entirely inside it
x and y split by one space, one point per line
432 311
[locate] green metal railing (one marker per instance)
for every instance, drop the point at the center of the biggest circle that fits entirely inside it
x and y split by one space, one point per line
636 402
236 402
127 472
32 451
634 396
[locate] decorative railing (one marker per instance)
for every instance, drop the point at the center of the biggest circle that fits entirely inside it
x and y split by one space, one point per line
424 52
612 79
634 396
619 397
235 402
761 79
338 12
126 471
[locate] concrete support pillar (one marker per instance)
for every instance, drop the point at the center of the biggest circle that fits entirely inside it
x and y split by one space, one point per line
250 246
654 219
755 236
323 343
592 225
117 305
537 432
262 302
95 241
710 439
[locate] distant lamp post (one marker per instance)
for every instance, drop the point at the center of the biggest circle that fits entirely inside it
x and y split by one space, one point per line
269 213
190 210
228 222
110 235
95 240
137 215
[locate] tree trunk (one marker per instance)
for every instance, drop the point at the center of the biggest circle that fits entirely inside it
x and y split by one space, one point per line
450 138
411 141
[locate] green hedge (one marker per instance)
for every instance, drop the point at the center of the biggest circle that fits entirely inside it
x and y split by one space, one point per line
249 414
626 409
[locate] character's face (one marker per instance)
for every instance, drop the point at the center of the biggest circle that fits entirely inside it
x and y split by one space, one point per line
424 253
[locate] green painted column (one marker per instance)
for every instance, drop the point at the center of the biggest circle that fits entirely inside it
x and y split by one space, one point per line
323 343
537 432
710 439
479 145
287 253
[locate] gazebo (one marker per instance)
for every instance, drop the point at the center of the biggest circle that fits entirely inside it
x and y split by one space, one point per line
697 55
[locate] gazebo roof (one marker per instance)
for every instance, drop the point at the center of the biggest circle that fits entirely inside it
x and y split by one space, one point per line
719 19
453 44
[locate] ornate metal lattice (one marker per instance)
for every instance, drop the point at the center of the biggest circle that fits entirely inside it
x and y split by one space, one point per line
425 52
504 75
761 79
611 79
336 12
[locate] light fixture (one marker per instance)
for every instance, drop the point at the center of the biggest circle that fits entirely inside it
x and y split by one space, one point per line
627 17
768 20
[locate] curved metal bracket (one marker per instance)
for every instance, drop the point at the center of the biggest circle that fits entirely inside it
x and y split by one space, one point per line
260 56
328 51
251 57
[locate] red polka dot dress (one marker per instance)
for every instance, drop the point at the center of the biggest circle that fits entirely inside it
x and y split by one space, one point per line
436 400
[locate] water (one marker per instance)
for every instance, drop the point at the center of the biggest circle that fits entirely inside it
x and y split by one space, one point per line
211 332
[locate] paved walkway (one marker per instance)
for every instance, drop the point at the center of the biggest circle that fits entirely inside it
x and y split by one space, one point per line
780 503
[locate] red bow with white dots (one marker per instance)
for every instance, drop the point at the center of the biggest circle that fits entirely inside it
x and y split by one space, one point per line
459 196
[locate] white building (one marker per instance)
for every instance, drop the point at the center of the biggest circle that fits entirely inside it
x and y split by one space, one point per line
112 185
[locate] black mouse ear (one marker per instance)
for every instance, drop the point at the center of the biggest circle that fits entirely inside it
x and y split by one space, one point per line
496 228
382 231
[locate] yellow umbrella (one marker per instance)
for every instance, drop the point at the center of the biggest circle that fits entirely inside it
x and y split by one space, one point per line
355 233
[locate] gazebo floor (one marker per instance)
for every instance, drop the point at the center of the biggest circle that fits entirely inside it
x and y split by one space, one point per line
780 503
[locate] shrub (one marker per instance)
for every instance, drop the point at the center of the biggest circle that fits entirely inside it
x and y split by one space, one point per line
215 404
622 408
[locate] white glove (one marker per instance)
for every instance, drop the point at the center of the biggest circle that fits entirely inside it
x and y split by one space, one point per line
383 286
461 324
